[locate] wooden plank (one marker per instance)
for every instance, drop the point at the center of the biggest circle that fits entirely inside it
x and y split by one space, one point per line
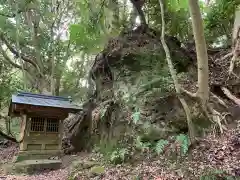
50 110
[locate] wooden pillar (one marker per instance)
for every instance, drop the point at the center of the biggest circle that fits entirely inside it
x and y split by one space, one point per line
43 147
23 132
60 135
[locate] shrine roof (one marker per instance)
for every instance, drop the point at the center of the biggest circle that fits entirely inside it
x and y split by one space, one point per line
43 100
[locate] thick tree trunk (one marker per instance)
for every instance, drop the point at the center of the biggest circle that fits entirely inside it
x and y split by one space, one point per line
202 56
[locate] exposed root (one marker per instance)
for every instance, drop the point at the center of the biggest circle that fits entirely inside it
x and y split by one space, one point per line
232 63
219 100
8 137
224 57
231 96
212 114
192 95
215 116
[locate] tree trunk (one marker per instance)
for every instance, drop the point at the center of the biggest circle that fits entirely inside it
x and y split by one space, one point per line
175 80
235 40
133 17
236 25
57 85
202 56
138 6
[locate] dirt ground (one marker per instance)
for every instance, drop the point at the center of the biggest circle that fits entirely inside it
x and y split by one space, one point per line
214 152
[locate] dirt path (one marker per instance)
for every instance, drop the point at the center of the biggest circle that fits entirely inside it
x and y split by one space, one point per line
60 174
7 153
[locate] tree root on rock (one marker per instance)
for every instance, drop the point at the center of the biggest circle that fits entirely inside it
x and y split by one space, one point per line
208 110
8 137
224 57
231 96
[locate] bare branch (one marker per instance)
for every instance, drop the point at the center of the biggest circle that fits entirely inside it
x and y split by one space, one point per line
11 15
15 52
4 54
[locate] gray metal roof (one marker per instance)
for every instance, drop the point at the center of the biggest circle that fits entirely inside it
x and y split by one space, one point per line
44 100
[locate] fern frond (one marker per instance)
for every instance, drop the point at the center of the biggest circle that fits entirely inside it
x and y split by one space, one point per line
160 146
184 142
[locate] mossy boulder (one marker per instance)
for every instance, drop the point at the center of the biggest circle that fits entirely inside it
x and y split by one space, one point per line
96 171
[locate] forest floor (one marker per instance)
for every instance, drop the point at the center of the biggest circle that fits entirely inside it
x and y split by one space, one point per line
213 153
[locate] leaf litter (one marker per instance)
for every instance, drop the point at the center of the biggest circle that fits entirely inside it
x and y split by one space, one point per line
213 153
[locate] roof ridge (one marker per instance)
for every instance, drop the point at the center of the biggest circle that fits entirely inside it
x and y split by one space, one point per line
26 94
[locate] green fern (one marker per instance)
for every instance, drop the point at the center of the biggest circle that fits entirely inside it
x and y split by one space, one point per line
136 117
184 142
141 145
160 146
103 111
122 153
118 156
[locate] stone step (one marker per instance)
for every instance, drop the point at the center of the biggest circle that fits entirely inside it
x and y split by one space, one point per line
32 166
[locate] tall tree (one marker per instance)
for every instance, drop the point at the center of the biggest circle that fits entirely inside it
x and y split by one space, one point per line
37 40
175 79
201 48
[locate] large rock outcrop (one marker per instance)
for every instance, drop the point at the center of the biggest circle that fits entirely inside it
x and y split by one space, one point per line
131 75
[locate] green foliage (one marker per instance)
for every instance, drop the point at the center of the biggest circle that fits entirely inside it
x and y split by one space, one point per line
183 140
160 146
136 117
142 145
177 5
119 155
85 37
219 21
103 111
15 127
90 34
10 82
176 17
112 151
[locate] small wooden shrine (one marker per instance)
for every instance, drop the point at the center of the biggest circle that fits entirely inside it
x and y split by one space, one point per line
41 122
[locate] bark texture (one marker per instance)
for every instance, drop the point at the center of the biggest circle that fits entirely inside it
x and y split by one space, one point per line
201 49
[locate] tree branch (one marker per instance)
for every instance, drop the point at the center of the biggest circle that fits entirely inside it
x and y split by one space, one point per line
15 52
18 11
11 15
7 59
